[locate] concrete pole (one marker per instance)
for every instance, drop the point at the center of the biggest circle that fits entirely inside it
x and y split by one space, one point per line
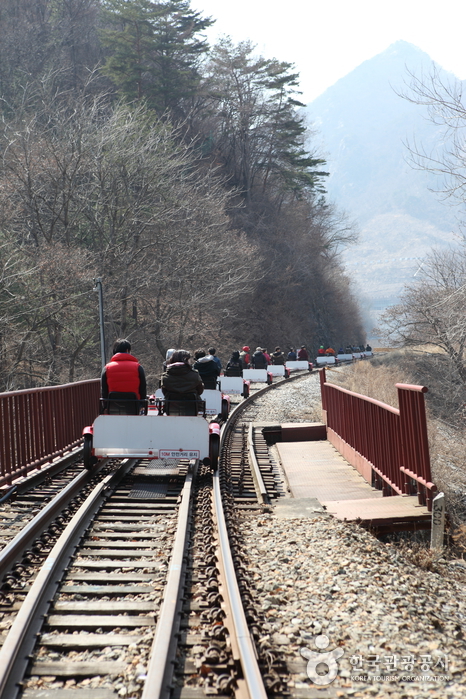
438 521
99 289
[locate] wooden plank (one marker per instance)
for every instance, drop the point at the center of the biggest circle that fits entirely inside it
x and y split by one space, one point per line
317 470
106 589
115 553
129 606
88 640
115 564
81 621
81 669
104 541
127 533
147 529
95 693
103 577
396 507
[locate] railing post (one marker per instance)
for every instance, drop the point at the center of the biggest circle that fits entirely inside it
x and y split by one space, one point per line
414 439
323 394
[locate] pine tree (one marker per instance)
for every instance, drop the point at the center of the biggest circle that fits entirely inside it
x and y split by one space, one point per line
153 51
255 126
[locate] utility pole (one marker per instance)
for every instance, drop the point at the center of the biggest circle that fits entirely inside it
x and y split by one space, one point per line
99 289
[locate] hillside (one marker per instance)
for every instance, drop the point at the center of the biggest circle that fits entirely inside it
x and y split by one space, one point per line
364 126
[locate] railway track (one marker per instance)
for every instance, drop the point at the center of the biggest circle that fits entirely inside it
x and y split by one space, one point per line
138 595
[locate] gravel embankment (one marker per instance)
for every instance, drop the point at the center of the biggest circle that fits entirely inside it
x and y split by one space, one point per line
399 628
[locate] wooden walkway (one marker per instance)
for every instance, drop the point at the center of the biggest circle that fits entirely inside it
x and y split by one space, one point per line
317 470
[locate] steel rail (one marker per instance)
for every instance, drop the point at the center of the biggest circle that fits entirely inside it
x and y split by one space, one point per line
26 483
19 643
163 651
251 683
24 539
247 651
259 484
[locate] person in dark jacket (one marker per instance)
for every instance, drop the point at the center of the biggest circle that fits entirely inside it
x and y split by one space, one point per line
234 365
278 357
212 351
258 359
303 354
180 378
123 373
291 356
207 367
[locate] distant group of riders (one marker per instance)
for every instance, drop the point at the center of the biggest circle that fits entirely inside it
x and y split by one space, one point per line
349 349
261 359
182 375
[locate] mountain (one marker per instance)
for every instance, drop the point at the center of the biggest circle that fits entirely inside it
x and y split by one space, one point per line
364 126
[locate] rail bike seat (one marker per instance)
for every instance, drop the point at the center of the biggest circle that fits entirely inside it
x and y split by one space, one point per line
211 383
233 371
187 404
120 403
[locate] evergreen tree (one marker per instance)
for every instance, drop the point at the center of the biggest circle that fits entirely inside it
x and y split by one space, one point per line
153 51
254 124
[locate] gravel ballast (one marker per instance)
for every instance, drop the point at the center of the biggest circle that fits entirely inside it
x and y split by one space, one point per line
395 628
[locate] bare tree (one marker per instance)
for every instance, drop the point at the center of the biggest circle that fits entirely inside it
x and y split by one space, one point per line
115 193
446 107
432 311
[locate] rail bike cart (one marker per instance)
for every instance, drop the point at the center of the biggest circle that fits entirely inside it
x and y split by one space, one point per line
234 385
346 357
326 361
162 433
299 365
216 403
258 375
279 370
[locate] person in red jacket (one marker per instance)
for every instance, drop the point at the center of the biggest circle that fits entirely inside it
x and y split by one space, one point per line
123 373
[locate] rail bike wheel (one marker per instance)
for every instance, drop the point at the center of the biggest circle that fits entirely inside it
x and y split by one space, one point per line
214 450
224 413
88 458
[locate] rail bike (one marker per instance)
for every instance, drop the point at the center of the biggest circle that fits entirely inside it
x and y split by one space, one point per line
156 429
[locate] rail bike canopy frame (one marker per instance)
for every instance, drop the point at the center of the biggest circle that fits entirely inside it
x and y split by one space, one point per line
388 446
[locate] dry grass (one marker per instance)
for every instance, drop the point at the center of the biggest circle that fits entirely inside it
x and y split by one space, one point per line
375 381
421 556
459 540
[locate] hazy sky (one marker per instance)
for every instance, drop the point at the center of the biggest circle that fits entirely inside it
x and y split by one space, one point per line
326 39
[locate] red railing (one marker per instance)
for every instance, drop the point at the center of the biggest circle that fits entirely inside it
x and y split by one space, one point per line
388 446
37 425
